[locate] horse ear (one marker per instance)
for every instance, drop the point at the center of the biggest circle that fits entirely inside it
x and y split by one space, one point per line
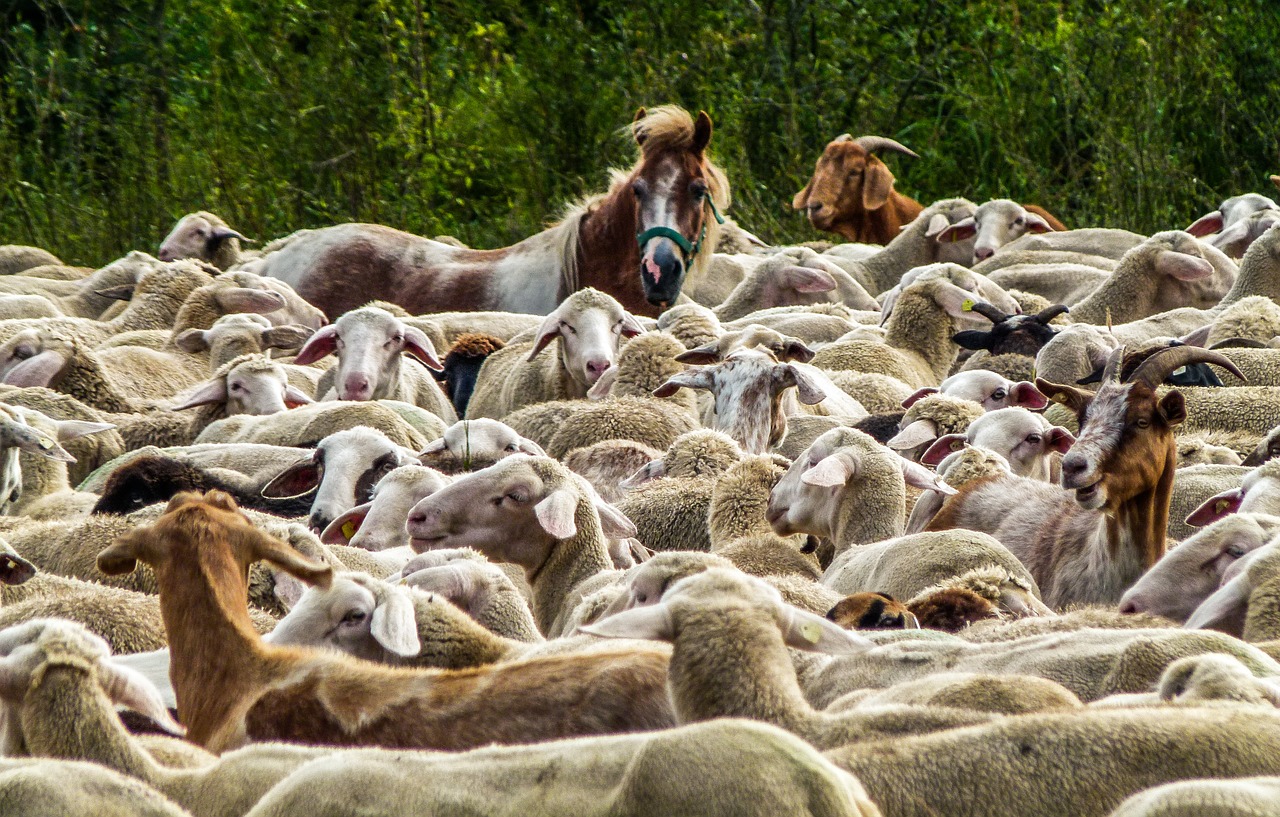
639 135
701 132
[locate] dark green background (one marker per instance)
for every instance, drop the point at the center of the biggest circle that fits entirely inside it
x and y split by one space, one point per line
481 119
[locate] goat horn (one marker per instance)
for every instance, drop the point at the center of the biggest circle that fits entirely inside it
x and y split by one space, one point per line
989 312
1049 313
1239 343
1115 362
1160 365
874 144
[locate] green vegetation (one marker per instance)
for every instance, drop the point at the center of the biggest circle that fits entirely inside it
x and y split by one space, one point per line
481 119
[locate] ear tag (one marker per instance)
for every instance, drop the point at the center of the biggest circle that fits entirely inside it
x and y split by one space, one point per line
1221 505
967 306
10 564
956 445
45 442
349 529
811 632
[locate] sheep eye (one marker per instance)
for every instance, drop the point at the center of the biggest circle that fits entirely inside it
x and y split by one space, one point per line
567 328
23 352
999 394
1034 439
513 447
1019 221
1235 551
354 617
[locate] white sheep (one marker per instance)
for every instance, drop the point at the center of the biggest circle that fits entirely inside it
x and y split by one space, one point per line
379 524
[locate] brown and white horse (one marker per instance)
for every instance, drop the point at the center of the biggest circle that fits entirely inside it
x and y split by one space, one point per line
637 242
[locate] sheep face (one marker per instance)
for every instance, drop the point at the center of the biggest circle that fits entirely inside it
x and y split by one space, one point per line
590 326
1025 440
1230 213
17 437
379 524
356 614
34 358
995 224
196 235
988 389
369 342
255 387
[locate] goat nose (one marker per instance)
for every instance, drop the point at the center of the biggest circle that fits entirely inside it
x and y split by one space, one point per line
814 206
983 253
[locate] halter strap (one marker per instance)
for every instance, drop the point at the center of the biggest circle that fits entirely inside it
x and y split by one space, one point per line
689 250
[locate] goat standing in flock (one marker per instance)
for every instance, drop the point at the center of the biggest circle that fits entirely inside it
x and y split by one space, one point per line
665 520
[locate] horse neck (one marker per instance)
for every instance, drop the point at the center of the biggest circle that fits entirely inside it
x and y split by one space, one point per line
607 256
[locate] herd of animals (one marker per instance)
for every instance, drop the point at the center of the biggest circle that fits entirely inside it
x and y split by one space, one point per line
966 514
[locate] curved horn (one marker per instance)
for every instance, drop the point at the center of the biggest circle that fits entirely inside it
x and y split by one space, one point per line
1050 312
1239 343
874 144
989 312
1160 365
1115 362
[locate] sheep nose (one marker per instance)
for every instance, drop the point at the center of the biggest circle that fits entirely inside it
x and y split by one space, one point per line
319 522
983 253
356 387
1131 606
595 368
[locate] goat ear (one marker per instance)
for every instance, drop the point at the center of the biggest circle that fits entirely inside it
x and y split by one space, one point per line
322 343
801 199
1198 337
548 331
652 622
974 339
877 184
244 299
394 624
796 351
295 480
1059 439
916 434
192 340
813 633
213 391
1037 224
1216 507
340 530
835 469
962 229
919 394
703 355
417 344
121 556
690 380
1072 398
809 390
942 448
1027 396
1206 225
270 549
917 476
1173 406
701 133
555 513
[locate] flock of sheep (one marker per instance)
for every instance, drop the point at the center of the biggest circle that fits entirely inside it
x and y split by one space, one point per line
973 515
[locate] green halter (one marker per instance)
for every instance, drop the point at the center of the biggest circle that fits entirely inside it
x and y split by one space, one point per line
690 250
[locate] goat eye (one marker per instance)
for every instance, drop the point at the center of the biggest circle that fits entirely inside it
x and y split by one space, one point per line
1143 422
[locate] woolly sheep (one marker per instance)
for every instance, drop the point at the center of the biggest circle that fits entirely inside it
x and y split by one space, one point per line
469 445
234 335
495 595
90 451
305 426
643 419
740 499
462 365
998 694
931 417
994 224
204 236
15 258
1026 441
250 385
793 277
608 463
379 523
1193 798
987 389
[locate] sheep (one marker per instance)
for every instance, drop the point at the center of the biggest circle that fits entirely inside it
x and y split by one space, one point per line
1191 798
343 470
656 423
752 397
53 788
741 769
379 523
495 595
16 258
1027 442
1267 449
798 276
729 633
471 444
1060 764
608 463
370 344
305 426
777 344
1106 242
847 488
446 328
691 324
955 469
589 326
462 366
1255 491
1236 239
263 687
988 389
851 192
1230 212
927 419
531 511
83 298
813 324
234 335
1066 282
917 348
994 224
1232 608
204 236
1011 334
741 497
998 694
1177 584
251 385
90 451
234 292
1199 449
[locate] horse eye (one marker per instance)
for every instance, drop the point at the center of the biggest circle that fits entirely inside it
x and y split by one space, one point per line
637 187
698 188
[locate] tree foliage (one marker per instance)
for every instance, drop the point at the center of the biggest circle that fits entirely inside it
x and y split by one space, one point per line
481 119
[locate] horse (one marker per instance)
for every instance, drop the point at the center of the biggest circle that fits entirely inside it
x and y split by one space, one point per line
658 223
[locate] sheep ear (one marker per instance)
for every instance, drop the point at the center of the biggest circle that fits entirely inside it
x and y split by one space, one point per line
1059 439
613 522
555 513
914 435
1198 337
962 229
294 397
394 624
131 689
192 340
289 336
456 582
36 371
28 440
630 326
322 343
600 390
244 299
416 343
652 622
813 633
223 233
530 447
703 355
956 302
340 530
1182 267
1037 224
809 390
919 394
124 292
942 448
287 589
833 470
214 391
295 480
1027 396
74 429
974 339
13 568
937 224
1206 225
796 351
1225 610
690 380
435 446
804 279
655 469
917 476
1218 506
547 332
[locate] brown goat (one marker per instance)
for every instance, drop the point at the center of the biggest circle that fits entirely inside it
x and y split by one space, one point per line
851 192
872 611
950 609
233 688
1090 547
